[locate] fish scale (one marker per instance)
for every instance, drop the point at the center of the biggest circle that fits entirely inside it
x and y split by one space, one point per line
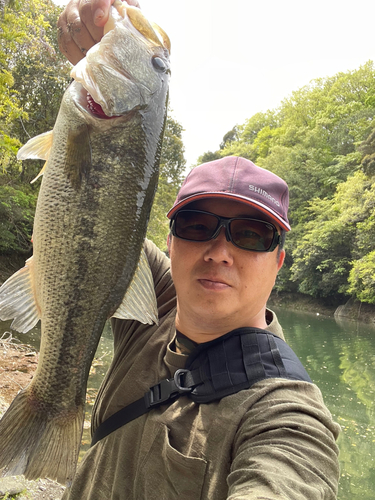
91 218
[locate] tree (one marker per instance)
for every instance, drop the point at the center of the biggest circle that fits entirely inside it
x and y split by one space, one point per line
39 75
28 52
172 165
362 279
209 156
367 148
339 238
318 140
33 86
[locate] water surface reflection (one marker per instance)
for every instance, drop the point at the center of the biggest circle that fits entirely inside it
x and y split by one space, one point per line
340 359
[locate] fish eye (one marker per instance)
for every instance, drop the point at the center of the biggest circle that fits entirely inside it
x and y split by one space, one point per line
159 64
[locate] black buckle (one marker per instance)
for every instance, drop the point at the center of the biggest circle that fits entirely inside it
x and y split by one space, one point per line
167 389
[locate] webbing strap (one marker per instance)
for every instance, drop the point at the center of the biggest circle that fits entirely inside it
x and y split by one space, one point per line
216 369
277 357
165 391
219 368
251 357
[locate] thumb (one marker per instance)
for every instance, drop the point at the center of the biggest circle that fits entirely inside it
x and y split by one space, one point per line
100 11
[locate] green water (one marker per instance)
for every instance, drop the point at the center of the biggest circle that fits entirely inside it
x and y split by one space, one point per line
340 358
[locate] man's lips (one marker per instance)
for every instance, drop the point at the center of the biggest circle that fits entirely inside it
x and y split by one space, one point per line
213 283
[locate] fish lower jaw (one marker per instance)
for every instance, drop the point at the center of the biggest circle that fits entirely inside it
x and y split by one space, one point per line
96 110
86 103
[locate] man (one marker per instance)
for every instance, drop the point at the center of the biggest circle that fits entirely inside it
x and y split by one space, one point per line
272 440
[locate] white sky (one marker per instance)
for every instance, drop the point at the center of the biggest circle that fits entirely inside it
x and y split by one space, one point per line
231 59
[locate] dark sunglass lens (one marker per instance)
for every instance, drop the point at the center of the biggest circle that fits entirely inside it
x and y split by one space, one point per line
195 226
251 234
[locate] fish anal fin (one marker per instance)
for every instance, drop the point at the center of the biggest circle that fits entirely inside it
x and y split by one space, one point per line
139 302
18 299
37 148
78 156
40 174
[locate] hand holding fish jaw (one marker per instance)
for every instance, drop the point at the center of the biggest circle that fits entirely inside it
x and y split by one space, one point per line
80 26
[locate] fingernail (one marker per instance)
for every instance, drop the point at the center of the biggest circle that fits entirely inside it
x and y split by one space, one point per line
98 16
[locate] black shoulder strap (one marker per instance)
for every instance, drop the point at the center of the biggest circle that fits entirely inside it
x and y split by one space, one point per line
216 369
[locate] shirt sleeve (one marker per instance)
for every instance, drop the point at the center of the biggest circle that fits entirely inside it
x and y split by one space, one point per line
285 447
161 273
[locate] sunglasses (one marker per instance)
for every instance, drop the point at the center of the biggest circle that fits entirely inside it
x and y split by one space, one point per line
245 233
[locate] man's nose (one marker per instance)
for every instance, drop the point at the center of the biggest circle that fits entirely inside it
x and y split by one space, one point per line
220 248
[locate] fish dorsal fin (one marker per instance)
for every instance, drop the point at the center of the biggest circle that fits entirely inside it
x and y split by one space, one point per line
37 148
18 301
139 302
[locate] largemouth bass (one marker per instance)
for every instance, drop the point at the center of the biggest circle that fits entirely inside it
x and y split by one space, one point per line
93 207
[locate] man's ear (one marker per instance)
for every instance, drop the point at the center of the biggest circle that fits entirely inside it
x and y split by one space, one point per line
281 259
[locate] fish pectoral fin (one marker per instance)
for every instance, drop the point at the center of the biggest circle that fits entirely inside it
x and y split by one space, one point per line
139 302
37 148
78 156
18 301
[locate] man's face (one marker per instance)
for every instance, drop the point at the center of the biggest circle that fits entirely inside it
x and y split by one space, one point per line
219 286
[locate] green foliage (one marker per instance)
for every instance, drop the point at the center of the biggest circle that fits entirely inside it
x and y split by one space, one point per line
172 165
339 229
208 156
33 75
229 137
367 148
362 278
17 210
321 140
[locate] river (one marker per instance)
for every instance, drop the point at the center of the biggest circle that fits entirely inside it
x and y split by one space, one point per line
340 359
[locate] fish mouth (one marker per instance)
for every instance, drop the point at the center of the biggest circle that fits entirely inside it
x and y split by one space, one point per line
86 103
103 64
96 110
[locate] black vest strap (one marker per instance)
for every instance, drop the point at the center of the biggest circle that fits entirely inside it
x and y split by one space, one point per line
216 369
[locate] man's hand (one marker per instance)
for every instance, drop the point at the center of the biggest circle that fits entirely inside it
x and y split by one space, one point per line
80 26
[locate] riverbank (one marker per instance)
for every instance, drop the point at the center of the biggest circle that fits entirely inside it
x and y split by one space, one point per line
18 363
351 310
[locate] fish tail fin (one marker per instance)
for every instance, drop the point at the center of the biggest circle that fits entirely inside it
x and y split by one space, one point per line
36 445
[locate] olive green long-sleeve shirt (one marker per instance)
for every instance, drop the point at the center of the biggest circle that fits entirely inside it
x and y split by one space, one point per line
275 440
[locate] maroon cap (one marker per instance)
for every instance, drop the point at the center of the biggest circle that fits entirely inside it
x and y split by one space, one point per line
236 178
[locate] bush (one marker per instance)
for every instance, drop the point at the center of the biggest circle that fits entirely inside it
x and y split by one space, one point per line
17 210
362 279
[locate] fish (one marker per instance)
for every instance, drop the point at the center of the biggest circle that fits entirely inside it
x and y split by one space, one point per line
98 184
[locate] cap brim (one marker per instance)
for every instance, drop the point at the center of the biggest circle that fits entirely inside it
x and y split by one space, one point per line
247 201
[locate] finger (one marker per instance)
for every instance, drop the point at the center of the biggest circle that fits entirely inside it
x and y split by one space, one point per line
87 19
66 42
100 11
75 38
